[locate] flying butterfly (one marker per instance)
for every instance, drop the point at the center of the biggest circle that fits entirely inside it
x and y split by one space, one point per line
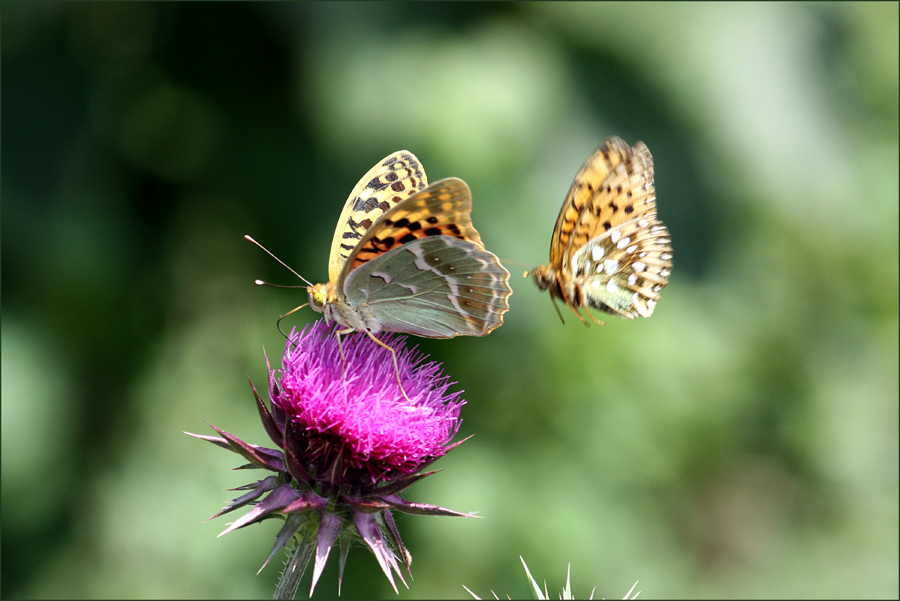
609 251
405 257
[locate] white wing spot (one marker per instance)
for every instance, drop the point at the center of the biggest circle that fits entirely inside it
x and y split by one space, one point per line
630 250
597 252
632 279
610 266
639 266
623 242
611 286
643 309
413 289
615 235
388 278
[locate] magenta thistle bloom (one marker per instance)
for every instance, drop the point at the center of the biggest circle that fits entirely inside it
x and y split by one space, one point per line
348 444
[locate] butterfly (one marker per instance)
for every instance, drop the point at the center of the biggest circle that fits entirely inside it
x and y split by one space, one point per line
609 251
405 257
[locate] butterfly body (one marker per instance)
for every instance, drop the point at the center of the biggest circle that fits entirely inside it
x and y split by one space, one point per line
609 251
406 258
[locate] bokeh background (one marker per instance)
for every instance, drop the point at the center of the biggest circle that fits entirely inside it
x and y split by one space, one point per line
741 443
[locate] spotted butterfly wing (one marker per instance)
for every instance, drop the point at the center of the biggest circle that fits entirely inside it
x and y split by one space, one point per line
609 251
422 269
394 178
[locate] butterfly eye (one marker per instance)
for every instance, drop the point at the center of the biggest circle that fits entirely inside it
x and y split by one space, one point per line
316 298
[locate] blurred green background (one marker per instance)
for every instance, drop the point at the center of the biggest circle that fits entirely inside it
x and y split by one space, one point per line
741 443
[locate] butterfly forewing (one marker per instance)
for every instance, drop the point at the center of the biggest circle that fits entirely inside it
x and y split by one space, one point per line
626 194
392 180
442 209
437 287
582 193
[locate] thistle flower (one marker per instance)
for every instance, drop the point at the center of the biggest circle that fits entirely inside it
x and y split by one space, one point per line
348 444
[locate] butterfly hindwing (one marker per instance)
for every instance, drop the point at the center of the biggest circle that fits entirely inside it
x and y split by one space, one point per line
623 270
393 179
436 286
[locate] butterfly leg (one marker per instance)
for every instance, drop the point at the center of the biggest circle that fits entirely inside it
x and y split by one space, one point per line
594 319
580 304
278 323
396 365
568 301
558 312
341 348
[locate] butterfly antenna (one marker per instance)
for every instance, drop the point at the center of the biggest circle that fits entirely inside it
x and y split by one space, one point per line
264 283
285 265
512 262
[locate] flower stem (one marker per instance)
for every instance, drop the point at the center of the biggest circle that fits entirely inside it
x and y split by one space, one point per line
294 570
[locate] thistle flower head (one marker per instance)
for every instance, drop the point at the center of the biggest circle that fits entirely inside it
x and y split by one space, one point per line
359 430
348 443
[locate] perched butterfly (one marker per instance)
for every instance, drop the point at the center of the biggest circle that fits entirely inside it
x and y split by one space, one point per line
405 257
609 251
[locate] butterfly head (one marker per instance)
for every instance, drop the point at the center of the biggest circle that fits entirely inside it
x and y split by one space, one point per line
544 276
318 297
